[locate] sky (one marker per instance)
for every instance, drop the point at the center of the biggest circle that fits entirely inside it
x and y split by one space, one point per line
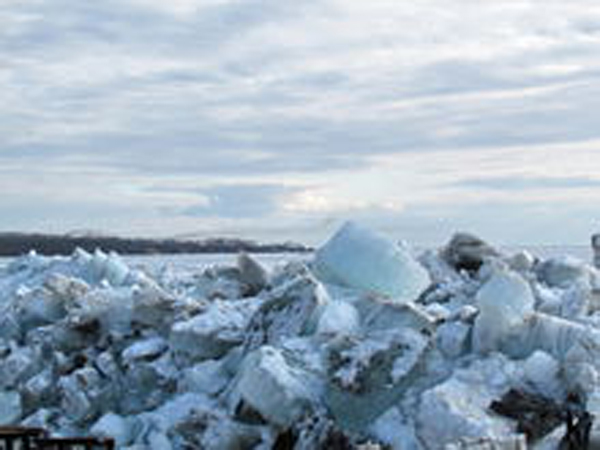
280 119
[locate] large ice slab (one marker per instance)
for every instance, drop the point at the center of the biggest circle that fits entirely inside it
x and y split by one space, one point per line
212 333
394 430
459 407
292 309
339 317
504 302
382 314
279 391
367 375
563 271
563 339
252 273
114 426
360 259
10 407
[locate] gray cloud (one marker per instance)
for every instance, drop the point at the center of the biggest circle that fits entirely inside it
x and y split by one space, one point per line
512 183
240 201
243 91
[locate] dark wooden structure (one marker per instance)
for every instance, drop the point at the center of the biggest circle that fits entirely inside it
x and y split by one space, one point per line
75 444
20 438
25 438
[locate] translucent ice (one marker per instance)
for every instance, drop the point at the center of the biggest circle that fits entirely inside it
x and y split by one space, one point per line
116 271
148 349
10 407
114 426
358 258
563 271
452 338
457 409
504 302
542 372
339 317
252 273
393 429
280 392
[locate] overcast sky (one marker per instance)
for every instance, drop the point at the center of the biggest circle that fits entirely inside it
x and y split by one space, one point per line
278 119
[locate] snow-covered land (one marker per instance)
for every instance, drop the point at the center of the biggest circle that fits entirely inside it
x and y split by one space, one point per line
364 345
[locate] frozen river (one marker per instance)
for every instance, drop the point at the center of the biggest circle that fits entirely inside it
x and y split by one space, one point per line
193 262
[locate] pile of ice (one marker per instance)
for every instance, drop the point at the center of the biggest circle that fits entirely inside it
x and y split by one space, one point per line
363 346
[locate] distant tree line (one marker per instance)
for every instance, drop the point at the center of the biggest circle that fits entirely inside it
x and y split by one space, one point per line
14 244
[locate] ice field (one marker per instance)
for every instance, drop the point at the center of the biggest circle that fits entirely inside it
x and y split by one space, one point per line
362 344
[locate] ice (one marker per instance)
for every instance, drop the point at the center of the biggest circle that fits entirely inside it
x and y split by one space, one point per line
149 384
49 302
159 441
18 367
381 314
247 279
153 307
252 274
42 418
106 267
563 271
38 390
280 392
206 429
113 426
351 347
358 258
504 302
292 309
10 407
115 270
439 269
439 313
148 349
367 376
75 402
173 411
576 301
339 317
542 371
453 338
107 365
467 313
393 430
515 442
548 300
459 407
212 333
556 336
208 377
522 261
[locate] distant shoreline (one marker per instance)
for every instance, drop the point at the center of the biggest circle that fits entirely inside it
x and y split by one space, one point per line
15 244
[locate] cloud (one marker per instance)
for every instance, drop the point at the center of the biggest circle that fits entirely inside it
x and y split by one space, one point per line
240 201
530 183
252 97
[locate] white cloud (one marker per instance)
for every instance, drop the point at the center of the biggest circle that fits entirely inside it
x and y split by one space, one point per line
180 8
382 107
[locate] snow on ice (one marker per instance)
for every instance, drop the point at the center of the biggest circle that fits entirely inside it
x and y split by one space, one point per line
366 345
